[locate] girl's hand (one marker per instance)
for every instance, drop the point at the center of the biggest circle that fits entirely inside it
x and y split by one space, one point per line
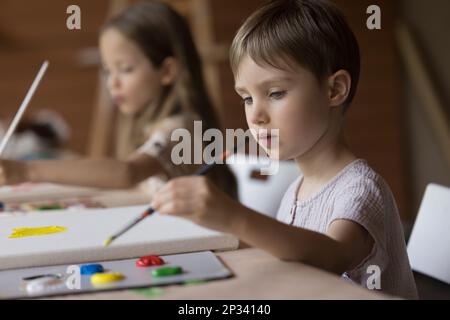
197 199
13 172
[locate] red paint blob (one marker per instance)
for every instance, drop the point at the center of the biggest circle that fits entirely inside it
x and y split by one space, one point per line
148 261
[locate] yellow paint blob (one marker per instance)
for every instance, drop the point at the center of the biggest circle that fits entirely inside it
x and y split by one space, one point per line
40 231
102 278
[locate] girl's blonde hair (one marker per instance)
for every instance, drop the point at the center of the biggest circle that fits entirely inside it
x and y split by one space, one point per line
160 32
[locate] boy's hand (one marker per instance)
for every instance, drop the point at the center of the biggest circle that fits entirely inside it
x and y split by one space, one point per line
13 172
197 199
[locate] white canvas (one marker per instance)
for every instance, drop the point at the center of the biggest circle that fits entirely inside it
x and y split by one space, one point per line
88 228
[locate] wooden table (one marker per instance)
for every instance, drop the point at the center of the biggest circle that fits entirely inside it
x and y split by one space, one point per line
256 274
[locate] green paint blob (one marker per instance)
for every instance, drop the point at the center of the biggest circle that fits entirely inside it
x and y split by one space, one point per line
152 292
167 271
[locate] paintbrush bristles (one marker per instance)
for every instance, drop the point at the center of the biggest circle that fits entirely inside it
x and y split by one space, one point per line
108 241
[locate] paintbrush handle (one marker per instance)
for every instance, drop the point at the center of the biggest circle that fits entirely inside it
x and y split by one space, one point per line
23 107
208 167
200 172
135 222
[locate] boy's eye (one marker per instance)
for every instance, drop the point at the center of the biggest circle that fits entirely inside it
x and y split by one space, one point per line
277 94
247 101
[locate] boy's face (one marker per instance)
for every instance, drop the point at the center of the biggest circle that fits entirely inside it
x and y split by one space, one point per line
294 102
132 80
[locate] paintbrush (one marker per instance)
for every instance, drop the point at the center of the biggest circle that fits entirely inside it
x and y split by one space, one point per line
200 172
23 107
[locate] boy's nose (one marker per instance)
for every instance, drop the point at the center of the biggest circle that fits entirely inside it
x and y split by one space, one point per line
259 115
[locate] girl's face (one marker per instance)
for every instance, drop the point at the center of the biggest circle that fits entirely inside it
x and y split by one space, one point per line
132 81
294 102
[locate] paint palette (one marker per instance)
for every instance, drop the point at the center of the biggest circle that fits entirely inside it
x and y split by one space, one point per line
116 275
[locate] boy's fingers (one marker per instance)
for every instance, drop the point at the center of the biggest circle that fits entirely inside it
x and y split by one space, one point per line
175 189
169 196
174 201
176 208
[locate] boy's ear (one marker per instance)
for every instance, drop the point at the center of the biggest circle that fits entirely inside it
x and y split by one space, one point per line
169 71
339 85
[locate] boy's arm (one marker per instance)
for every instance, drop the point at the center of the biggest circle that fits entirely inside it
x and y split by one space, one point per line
345 245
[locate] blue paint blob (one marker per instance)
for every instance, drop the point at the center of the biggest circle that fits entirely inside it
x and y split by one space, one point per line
88 269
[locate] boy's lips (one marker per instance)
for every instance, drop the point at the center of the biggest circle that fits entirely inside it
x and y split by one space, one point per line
263 136
266 139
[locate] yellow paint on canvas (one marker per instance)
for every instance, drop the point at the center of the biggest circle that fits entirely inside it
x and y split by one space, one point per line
40 231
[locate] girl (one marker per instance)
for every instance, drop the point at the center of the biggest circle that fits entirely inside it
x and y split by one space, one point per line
296 67
154 76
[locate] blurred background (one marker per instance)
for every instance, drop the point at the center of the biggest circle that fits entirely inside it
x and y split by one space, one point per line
399 120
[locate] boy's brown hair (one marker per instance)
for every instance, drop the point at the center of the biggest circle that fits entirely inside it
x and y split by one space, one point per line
312 33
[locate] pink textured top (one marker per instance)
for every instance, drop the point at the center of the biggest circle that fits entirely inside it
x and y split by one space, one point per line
359 194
